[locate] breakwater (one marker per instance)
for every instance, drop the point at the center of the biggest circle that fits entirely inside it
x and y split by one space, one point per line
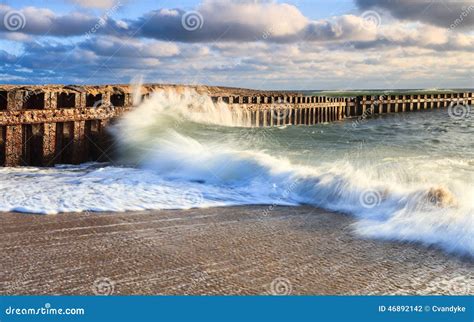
47 125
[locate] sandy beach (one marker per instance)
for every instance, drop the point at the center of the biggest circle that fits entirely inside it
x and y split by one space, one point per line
236 250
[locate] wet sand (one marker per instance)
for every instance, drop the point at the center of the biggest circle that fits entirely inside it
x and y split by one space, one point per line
237 250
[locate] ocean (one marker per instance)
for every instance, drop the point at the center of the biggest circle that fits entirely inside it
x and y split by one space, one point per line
403 176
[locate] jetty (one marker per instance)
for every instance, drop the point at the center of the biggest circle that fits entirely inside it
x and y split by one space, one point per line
56 124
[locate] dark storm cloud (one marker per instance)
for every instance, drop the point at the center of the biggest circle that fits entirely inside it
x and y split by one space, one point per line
441 13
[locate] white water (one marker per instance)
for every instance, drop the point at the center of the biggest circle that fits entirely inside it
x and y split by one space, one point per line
179 150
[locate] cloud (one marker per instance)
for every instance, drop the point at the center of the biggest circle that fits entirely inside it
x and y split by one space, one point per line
44 22
346 27
220 22
446 14
113 46
262 65
417 36
223 21
6 58
39 21
250 44
251 22
102 4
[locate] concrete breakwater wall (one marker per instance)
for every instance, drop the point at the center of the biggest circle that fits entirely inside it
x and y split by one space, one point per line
47 125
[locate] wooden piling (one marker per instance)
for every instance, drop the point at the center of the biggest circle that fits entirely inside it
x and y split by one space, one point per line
44 125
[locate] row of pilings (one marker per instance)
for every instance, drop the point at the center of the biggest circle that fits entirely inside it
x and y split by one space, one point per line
47 125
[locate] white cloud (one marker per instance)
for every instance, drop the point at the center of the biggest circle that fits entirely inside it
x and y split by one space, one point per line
279 20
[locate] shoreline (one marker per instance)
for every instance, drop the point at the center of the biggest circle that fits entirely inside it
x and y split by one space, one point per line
214 251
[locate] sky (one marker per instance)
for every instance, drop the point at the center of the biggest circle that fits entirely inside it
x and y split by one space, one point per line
298 44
